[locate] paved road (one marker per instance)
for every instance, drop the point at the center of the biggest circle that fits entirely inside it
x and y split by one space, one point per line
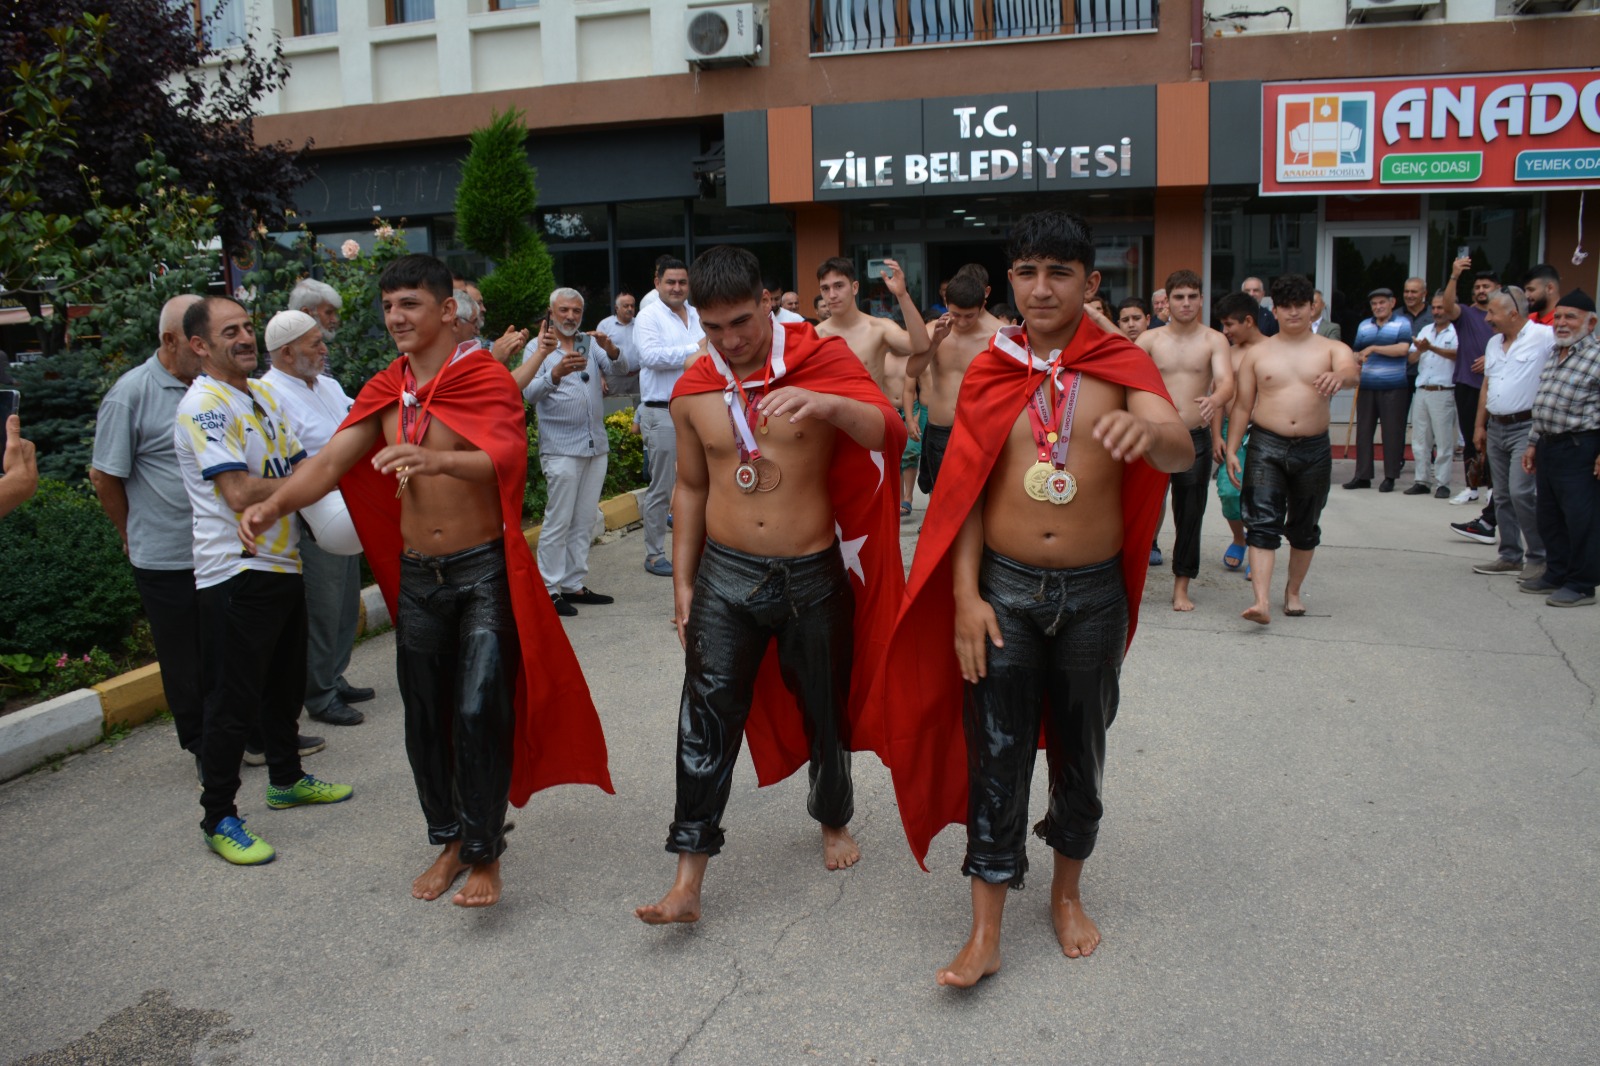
1366 835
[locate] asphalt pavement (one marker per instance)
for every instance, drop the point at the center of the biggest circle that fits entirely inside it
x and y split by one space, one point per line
1368 834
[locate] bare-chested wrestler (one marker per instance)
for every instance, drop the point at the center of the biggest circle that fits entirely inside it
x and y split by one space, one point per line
1239 314
1193 360
1032 559
1285 383
871 338
959 335
786 545
495 705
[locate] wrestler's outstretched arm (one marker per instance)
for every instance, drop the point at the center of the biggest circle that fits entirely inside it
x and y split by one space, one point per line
312 479
1244 403
975 619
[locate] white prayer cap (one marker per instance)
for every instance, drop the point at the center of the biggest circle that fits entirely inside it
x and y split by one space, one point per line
287 326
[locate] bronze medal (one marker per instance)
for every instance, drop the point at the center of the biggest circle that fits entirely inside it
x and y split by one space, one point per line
1060 487
746 478
1033 481
767 474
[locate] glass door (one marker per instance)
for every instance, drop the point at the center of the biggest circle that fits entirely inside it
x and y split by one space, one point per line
1356 259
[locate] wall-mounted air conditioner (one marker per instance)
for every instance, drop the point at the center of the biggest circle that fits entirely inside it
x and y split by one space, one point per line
728 35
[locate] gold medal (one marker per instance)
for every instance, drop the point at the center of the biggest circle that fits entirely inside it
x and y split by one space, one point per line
404 478
1033 481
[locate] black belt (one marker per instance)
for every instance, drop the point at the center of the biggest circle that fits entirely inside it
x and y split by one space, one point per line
1437 388
1569 434
656 403
1511 420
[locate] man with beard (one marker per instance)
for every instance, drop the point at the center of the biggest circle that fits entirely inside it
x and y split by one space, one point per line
235 446
1542 284
1472 336
668 338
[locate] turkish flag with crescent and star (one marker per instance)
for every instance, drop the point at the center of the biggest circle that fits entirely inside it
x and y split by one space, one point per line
864 487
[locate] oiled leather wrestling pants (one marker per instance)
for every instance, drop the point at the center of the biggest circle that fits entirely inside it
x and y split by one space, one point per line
1064 632
741 602
457 657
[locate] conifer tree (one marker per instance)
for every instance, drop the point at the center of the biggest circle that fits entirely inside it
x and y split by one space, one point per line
494 209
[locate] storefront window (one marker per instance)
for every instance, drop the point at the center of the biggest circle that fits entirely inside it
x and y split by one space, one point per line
1500 232
873 296
652 219
575 225
589 271
462 261
1261 237
715 220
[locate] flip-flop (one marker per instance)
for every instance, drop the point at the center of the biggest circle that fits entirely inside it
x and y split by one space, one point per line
905 508
1233 558
1247 571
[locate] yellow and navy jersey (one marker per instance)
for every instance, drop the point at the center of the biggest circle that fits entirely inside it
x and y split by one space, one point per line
219 429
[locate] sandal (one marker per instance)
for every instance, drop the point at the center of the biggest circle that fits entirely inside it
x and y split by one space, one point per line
1233 558
905 508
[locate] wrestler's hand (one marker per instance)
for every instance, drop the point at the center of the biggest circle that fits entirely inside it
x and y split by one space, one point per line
1125 435
682 598
976 628
1208 409
913 431
939 330
1328 383
256 520
1093 311
1234 472
1218 448
796 404
894 278
410 459
509 343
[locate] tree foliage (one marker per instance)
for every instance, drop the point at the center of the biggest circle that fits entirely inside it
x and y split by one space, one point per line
494 207
160 87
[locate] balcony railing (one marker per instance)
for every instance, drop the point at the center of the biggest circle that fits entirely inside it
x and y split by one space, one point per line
862 25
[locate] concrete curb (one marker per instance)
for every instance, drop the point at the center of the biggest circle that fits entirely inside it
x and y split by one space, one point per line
80 718
48 729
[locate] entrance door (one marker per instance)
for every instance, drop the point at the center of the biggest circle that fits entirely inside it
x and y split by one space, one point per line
1354 260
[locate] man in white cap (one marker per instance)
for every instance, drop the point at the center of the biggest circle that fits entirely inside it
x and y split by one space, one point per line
316 405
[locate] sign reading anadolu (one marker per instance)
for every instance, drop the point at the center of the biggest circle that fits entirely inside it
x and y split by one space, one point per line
1523 130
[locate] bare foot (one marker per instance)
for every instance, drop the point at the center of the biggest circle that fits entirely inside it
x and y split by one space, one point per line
682 901
1258 613
839 851
979 957
1078 934
678 905
1181 601
437 879
482 888
1293 605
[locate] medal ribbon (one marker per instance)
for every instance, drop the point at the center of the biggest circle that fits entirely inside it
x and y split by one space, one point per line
749 450
1039 414
408 397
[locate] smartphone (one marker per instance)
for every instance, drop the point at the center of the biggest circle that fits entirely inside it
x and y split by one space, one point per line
1463 251
10 404
875 269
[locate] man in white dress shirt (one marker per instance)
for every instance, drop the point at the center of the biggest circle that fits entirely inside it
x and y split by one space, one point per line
619 327
1433 409
316 404
562 374
668 337
1512 362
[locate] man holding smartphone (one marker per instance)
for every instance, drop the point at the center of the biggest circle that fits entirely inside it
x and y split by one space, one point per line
19 476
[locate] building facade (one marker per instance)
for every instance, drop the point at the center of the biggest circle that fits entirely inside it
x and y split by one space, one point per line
919 129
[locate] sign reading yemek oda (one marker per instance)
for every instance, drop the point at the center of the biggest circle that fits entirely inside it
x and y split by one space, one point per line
1015 142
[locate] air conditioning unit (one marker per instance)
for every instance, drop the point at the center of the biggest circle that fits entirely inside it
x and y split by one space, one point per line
724 36
1387 10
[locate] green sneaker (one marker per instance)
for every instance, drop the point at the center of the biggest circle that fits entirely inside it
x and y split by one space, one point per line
238 845
306 790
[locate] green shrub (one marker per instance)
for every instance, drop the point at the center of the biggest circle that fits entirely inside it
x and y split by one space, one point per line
68 586
627 454
60 395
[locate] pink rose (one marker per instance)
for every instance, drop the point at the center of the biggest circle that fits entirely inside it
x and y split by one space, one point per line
384 232
350 249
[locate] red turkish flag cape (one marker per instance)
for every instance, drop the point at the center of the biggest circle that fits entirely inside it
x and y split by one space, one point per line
864 487
558 739
921 680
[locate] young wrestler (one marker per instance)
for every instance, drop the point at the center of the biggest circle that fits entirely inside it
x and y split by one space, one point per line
786 539
1034 556
870 337
495 704
1238 313
1285 383
961 333
1193 360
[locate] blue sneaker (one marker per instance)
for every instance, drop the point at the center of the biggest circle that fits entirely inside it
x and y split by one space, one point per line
238 845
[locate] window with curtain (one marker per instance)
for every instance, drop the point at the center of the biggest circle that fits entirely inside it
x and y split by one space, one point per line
222 21
317 16
411 10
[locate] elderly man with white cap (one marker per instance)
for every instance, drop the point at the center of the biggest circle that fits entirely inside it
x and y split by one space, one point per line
316 404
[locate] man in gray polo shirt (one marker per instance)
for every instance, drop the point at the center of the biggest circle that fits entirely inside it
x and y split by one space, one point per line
135 474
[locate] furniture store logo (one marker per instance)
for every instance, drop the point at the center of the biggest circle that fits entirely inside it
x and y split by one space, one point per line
1325 137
